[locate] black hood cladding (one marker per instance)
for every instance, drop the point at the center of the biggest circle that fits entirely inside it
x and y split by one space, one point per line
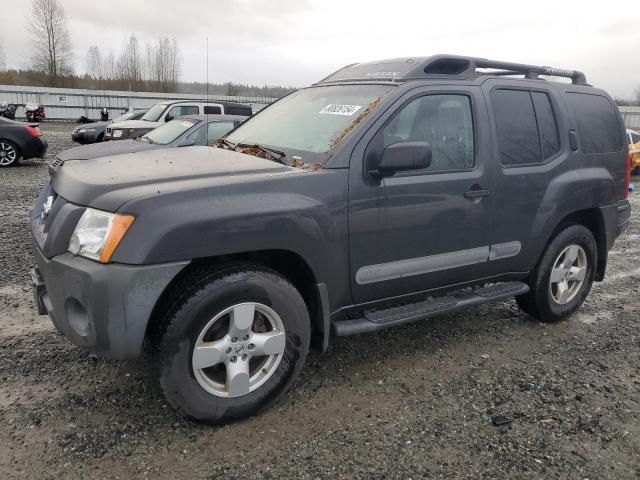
108 183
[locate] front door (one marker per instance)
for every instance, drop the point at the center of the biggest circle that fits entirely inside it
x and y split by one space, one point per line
426 229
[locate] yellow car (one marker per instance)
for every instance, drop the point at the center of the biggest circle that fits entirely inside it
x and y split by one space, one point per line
634 149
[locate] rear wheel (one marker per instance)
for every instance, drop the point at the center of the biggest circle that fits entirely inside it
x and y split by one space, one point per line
234 341
563 278
9 153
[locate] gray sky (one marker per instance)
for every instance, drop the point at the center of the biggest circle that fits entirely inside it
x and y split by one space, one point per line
295 42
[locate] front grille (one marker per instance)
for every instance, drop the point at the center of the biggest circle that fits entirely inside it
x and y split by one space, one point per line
75 130
56 162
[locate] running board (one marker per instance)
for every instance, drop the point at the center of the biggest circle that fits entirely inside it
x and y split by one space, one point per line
373 320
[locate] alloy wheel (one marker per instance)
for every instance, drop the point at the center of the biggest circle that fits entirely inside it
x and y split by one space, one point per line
568 274
238 350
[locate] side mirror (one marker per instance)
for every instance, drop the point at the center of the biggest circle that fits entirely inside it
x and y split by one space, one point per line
403 157
168 118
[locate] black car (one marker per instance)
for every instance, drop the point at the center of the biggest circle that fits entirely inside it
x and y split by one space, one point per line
19 139
183 132
387 193
94 132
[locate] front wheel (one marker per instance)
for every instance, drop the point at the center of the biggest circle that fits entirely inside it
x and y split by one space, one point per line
235 339
564 275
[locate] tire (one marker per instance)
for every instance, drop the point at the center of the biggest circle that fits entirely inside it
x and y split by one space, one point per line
548 301
100 138
9 154
240 382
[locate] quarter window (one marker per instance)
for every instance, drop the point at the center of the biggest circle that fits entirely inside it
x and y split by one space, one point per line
598 123
445 122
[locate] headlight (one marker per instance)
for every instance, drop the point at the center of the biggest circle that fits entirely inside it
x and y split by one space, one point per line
84 130
98 234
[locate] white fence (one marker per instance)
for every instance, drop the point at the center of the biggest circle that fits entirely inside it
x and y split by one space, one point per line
631 117
70 104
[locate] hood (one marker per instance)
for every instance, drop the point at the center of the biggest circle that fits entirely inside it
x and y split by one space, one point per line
92 125
109 182
135 124
105 149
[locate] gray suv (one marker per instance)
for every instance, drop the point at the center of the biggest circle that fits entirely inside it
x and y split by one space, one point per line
387 193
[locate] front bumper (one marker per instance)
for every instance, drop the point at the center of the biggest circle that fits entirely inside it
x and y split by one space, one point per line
103 308
84 137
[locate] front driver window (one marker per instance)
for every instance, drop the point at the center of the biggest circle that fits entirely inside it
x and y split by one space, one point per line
199 137
445 122
215 130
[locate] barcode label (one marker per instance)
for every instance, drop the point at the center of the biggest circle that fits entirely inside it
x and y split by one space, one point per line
341 109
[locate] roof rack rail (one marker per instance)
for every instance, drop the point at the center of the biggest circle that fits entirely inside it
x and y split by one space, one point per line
444 66
465 67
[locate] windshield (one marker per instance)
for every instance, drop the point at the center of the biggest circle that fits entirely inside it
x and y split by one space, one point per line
168 132
124 117
310 120
154 113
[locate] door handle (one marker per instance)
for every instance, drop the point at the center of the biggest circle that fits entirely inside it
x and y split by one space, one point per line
472 194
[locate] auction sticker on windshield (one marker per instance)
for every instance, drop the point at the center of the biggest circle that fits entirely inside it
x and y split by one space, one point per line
341 109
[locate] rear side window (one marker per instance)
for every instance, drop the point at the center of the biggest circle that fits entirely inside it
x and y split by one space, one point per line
527 127
517 129
237 110
210 110
635 138
598 123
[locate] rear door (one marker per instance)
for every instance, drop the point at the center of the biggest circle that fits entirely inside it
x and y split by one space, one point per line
425 229
528 153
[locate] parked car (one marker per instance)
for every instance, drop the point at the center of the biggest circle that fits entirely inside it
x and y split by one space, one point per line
94 132
634 149
167 111
387 193
186 131
20 140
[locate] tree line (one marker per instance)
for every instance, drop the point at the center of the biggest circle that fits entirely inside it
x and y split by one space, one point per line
154 66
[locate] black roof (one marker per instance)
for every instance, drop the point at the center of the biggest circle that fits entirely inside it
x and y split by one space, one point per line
452 67
224 103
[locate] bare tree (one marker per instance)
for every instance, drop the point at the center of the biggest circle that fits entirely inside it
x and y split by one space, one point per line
95 64
109 66
50 38
130 63
3 61
163 64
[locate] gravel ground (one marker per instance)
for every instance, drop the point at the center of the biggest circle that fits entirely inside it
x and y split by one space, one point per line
419 401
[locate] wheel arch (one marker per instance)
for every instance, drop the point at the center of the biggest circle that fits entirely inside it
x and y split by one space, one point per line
285 262
591 218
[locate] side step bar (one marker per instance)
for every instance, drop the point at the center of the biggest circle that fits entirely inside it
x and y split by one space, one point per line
373 320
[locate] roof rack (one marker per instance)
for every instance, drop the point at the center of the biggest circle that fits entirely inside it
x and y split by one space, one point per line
445 66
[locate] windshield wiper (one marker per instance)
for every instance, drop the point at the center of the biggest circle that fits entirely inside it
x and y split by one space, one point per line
146 139
277 154
224 141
